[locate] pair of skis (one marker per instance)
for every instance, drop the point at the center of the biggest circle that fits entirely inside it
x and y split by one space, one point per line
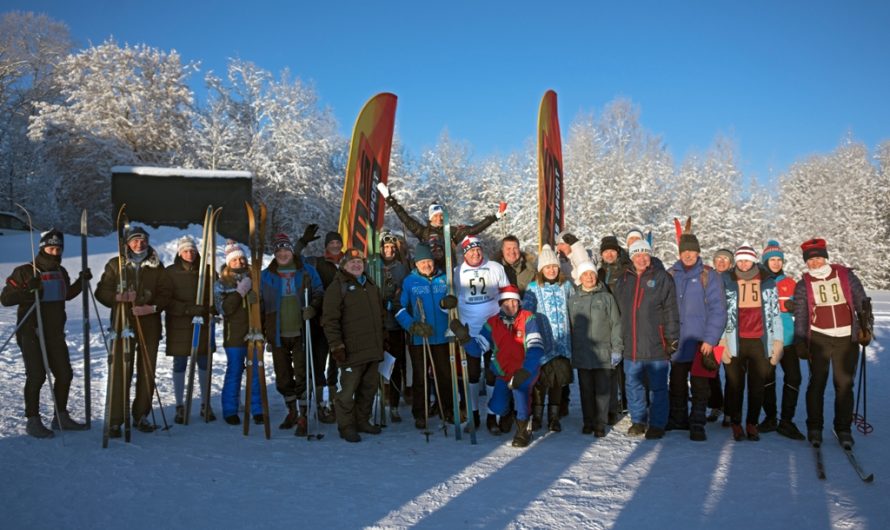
203 297
455 354
851 457
255 341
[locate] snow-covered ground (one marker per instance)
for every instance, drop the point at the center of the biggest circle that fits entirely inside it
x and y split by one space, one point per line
211 476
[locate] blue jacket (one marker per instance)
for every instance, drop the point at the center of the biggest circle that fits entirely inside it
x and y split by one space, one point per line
649 319
270 297
430 290
550 303
702 309
769 308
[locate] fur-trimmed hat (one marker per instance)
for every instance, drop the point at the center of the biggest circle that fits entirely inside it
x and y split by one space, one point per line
510 292
233 251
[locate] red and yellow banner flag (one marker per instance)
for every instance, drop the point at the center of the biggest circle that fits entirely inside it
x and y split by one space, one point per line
551 189
361 212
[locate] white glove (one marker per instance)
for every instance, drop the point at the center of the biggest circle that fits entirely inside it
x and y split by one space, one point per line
381 187
502 210
778 351
616 358
244 285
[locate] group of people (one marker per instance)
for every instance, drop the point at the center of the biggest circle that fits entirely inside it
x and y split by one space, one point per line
639 336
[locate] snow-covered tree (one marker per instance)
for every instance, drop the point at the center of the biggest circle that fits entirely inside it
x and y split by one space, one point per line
122 105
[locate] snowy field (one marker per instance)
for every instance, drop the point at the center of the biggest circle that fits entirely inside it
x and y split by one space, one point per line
211 476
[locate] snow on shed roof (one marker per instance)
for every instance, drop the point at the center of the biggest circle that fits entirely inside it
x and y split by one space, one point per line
180 172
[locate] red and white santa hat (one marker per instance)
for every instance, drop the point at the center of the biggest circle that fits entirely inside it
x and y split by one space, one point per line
470 242
510 292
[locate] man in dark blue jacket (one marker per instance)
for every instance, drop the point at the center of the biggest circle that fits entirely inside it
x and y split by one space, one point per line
702 305
650 324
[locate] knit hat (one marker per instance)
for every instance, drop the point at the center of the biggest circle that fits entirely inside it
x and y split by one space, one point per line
282 241
772 250
726 253
233 251
547 257
634 232
510 292
584 266
422 251
332 236
52 238
470 242
434 209
185 243
609 243
746 252
136 232
689 242
640 246
351 254
814 248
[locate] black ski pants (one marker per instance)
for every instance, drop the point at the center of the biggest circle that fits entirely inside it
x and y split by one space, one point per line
752 364
442 367
791 380
841 355
678 389
396 338
595 388
35 374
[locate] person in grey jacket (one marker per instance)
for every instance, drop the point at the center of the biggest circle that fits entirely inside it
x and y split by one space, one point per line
596 346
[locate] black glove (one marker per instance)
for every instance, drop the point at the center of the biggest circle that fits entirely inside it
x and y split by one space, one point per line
709 362
569 239
449 301
34 284
802 350
339 354
309 234
461 331
519 376
421 329
85 274
673 346
195 310
789 305
309 312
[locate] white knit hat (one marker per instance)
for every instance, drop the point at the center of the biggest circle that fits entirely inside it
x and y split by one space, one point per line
433 210
746 252
583 267
640 246
547 257
233 251
185 243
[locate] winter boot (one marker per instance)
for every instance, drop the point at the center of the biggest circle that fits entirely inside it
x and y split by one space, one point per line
751 431
394 415
845 438
523 434
737 433
291 419
678 420
537 417
36 428
143 425
788 429
491 423
114 431
564 407
815 437
258 419
714 415
697 433
326 413
553 418
210 415
587 429
599 431
180 415
350 434
233 419
419 423
769 424
636 429
613 418
302 422
654 433
726 421
368 428
506 422
67 423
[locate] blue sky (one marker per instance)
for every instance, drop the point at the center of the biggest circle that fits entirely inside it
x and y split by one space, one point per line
782 79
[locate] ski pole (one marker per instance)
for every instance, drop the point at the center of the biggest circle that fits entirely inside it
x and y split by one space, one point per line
150 373
311 397
18 327
862 424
